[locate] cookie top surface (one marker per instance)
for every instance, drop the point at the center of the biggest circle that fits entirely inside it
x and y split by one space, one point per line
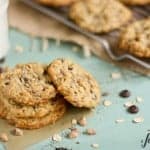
99 16
135 39
135 2
26 84
76 85
56 3
35 122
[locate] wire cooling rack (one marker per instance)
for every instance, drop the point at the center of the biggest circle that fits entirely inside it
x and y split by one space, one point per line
105 41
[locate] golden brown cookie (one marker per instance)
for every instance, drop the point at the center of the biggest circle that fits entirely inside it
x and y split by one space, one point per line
135 2
135 39
26 85
76 85
22 111
59 108
99 16
56 3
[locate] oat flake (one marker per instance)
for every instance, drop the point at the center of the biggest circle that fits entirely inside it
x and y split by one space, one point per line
107 103
56 137
95 145
74 121
138 119
128 104
115 75
120 121
139 99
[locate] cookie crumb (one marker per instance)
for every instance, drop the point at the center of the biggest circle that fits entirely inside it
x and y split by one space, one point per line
120 121
82 121
139 99
57 138
116 75
90 132
74 122
128 104
17 132
3 137
73 134
95 145
107 103
138 120
19 49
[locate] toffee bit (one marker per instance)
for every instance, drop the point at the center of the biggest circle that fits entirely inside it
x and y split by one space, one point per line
73 134
17 132
90 132
82 121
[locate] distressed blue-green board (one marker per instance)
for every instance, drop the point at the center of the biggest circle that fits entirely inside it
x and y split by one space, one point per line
110 136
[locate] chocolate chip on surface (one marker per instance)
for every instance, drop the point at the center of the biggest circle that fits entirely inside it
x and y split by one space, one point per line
133 109
125 93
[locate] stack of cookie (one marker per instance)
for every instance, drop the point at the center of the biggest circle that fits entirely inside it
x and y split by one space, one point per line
34 95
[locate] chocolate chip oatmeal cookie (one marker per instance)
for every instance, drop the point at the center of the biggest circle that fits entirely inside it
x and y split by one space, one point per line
26 85
76 85
135 39
99 16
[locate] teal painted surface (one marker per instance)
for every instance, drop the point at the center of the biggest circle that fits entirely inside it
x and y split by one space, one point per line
110 136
